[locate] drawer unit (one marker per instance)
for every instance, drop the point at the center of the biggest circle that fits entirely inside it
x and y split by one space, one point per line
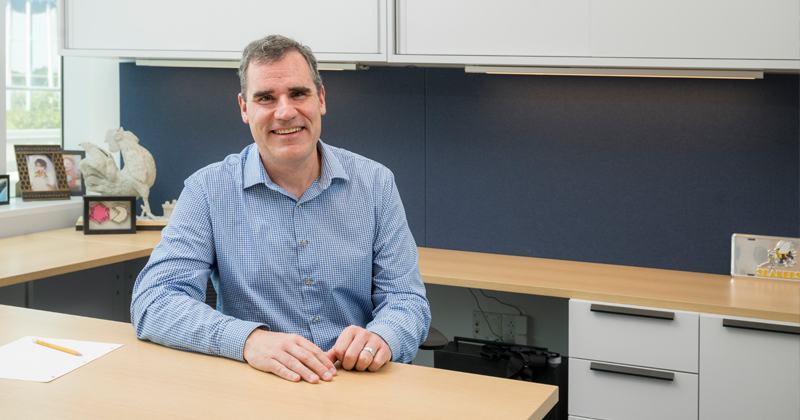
750 369
633 335
607 391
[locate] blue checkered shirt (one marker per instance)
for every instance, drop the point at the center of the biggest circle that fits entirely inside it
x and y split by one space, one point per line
341 255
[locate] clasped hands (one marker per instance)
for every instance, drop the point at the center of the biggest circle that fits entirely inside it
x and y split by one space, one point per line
292 357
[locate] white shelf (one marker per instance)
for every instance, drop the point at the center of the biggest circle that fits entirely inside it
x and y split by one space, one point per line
22 218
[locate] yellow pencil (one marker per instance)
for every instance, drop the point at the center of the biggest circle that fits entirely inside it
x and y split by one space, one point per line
56 347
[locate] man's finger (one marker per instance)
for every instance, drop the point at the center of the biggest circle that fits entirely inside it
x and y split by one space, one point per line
343 343
381 357
282 371
353 352
331 354
320 356
366 357
308 364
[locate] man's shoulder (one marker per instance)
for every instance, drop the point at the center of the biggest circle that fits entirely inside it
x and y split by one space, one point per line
356 165
228 169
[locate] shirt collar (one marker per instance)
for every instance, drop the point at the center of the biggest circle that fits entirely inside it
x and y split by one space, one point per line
255 173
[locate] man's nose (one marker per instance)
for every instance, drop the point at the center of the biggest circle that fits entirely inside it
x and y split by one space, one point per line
285 110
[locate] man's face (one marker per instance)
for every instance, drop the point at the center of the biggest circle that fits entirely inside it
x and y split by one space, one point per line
284 110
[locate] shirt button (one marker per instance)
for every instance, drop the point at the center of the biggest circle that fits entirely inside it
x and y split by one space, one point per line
315 320
303 242
308 281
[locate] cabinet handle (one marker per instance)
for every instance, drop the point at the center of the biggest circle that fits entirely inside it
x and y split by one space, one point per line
626 370
761 326
632 312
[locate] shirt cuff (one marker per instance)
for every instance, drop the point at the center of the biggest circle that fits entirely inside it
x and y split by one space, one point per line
233 337
388 335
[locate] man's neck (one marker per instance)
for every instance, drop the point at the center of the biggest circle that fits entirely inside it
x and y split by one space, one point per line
296 179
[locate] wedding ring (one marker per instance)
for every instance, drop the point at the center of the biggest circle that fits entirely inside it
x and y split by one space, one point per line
369 349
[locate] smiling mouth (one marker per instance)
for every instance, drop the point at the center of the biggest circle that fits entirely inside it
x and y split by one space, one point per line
288 130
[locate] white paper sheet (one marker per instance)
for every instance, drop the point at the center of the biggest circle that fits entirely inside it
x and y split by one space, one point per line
25 360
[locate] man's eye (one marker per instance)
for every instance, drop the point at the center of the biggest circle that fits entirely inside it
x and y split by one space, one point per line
298 94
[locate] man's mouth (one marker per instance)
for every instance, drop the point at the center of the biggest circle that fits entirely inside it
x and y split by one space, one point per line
288 130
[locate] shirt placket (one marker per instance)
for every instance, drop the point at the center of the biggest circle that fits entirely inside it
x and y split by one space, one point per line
307 264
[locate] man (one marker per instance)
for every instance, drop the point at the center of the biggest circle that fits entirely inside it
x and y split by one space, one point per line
307 245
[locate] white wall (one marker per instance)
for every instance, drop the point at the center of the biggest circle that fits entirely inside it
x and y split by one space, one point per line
3 92
91 100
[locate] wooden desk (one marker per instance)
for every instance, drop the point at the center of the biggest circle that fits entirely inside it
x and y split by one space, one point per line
46 254
145 380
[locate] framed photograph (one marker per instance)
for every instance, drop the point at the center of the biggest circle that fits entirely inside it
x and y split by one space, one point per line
109 214
41 172
72 169
5 188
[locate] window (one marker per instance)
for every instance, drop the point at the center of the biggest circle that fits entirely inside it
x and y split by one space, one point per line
33 77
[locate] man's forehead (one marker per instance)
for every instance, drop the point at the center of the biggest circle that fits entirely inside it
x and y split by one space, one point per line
291 65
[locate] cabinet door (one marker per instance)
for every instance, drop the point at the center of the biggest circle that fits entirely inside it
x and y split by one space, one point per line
497 28
609 391
328 27
633 335
748 373
718 29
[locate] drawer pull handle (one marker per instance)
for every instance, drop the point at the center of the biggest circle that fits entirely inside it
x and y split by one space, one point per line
632 312
761 326
626 370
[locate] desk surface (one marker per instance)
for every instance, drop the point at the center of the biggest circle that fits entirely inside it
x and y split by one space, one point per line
45 254
145 380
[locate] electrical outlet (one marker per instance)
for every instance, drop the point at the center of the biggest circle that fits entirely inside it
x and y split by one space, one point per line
515 329
486 325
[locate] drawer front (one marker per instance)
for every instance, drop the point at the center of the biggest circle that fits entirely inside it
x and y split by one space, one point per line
633 335
608 391
750 368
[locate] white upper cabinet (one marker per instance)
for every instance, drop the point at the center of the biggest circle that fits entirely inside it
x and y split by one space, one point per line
714 29
745 34
342 30
493 28
739 34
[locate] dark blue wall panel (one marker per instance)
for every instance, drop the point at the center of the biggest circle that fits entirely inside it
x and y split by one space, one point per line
188 118
644 172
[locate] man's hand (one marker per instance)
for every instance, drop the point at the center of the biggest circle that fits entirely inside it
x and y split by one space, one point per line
350 349
289 356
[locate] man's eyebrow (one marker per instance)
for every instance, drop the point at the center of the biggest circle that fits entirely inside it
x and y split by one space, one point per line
300 89
262 93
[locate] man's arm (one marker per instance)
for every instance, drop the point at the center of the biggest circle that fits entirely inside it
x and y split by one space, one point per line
401 317
168 299
168 303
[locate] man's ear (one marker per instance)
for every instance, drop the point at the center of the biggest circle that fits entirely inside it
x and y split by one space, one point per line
322 100
243 108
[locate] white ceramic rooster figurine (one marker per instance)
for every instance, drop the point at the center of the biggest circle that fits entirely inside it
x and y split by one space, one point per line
101 175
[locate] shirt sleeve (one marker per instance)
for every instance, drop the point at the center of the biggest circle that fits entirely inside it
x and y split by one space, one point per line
402 314
168 303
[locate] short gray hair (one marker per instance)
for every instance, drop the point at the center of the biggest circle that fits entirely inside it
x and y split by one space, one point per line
273 48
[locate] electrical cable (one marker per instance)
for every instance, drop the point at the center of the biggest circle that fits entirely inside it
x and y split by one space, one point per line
484 314
507 304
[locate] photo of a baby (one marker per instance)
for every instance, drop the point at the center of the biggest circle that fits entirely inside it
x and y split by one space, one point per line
72 164
43 174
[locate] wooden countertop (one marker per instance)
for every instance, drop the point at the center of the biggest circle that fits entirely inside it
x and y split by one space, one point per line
777 300
145 380
47 254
